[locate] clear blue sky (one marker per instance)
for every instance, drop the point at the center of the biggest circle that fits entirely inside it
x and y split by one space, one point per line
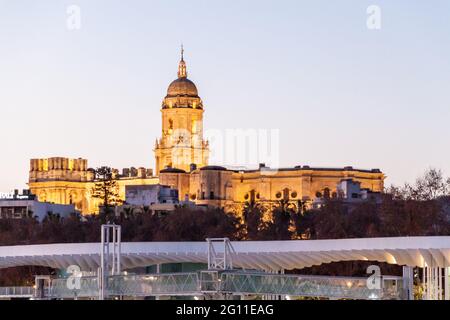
340 94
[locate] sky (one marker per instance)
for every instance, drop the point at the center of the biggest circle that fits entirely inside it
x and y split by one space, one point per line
338 92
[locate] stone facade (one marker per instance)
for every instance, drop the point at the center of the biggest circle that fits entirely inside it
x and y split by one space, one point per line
70 181
218 187
181 156
182 143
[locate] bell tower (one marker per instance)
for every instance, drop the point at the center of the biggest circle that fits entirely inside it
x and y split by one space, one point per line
181 143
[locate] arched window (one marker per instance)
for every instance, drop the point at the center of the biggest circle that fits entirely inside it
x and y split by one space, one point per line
170 126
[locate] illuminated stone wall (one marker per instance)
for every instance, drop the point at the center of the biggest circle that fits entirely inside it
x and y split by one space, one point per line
52 181
182 141
70 181
304 184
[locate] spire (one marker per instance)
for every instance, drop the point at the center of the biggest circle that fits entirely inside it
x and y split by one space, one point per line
182 73
182 52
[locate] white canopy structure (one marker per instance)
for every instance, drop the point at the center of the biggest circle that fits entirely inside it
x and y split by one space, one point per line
433 252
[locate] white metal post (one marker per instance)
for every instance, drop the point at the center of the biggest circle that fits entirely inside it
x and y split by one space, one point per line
220 260
119 249
105 255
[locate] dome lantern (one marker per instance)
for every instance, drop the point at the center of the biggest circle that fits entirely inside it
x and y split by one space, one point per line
182 72
182 92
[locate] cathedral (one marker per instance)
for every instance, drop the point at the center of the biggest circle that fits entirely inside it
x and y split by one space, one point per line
181 157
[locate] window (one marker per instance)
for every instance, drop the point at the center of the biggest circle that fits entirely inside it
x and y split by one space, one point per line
211 195
170 126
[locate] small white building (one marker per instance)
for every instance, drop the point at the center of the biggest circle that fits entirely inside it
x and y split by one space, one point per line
156 198
18 206
146 195
351 191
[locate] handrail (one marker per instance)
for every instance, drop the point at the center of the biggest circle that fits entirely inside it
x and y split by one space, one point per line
16 291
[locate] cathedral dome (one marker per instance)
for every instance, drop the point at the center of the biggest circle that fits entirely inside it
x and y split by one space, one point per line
182 87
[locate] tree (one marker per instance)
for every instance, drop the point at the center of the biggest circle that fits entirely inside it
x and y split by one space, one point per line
106 189
186 224
430 186
254 224
281 227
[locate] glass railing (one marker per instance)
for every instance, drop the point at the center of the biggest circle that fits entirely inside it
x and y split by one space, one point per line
16 291
153 284
229 282
308 286
62 289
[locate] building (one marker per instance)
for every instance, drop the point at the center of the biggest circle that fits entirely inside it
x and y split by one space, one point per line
18 206
181 156
256 259
70 181
152 198
146 195
349 192
181 143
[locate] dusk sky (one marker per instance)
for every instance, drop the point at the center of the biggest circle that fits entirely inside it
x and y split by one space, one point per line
340 93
